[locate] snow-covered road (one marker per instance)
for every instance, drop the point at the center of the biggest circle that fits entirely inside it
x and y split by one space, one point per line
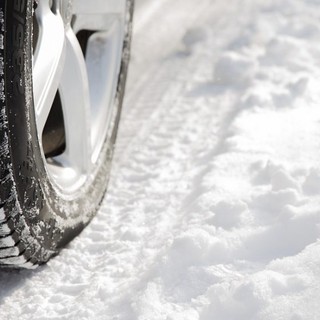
213 208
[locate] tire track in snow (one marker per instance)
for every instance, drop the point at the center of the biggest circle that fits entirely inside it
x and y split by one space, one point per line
165 221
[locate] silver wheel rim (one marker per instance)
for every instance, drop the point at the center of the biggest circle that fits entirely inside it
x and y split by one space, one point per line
86 83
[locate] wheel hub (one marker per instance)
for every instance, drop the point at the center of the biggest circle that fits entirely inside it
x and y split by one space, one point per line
76 65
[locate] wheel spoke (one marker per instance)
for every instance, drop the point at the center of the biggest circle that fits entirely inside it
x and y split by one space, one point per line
103 61
74 94
48 61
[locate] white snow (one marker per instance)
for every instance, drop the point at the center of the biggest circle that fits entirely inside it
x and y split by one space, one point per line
213 208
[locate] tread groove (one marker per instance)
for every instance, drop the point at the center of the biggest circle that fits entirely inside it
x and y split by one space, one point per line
8 235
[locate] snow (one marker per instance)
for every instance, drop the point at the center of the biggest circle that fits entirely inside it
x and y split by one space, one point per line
213 206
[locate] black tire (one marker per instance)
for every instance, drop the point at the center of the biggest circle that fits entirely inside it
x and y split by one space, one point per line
35 220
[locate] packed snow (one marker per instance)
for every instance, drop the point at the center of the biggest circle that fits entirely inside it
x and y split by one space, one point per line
213 207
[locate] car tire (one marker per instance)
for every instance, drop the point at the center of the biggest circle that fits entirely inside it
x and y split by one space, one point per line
53 175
